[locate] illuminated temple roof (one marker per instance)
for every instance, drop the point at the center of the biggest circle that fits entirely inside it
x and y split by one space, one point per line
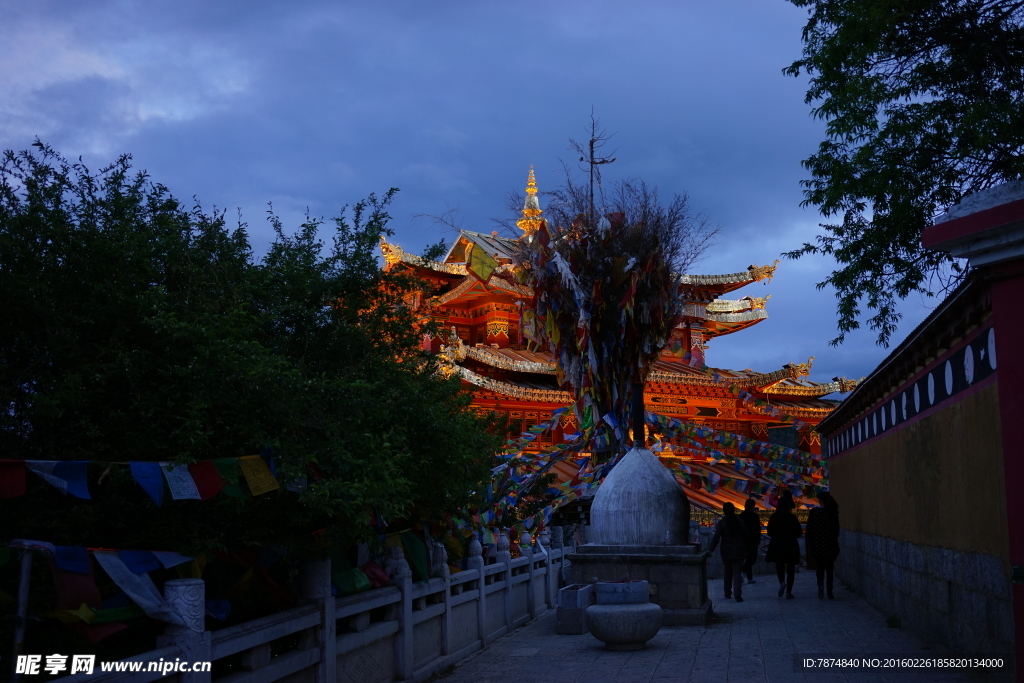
460 290
787 380
487 349
502 248
720 316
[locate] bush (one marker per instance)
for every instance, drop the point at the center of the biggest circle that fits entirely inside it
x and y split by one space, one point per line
136 329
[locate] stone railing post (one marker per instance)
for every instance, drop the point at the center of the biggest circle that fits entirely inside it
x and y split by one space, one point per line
705 533
315 588
558 545
398 569
439 570
505 557
475 561
526 548
188 598
544 537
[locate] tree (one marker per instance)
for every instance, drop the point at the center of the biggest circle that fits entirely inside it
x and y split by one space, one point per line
606 291
924 103
135 329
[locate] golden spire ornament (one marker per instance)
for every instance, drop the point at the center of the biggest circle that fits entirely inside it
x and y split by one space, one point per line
531 219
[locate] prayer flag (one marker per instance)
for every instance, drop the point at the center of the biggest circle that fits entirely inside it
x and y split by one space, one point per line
207 479
229 471
67 476
71 559
73 589
480 263
140 561
257 475
12 478
168 559
179 481
150 477
530 325
139 587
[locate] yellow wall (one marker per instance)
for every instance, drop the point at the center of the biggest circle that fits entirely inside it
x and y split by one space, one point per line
938 482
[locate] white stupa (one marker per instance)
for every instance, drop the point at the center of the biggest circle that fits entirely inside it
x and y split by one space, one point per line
638 502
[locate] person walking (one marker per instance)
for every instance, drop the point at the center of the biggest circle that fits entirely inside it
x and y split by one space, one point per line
783 549
823 541
733 535
752 521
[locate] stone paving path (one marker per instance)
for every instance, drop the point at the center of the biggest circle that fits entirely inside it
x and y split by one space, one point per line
753 641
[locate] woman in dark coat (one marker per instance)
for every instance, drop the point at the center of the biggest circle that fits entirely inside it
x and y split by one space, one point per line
733 535
823 540
752 521
783 549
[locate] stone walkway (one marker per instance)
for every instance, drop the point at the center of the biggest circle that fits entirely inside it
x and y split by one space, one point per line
753 641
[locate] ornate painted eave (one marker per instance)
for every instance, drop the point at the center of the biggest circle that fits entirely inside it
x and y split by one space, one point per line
511 288
756 381
792 371
819 408
395 254
747 303
681 378
730 281
749 316
784 382
838 385
514 390
456 291
724 316
471 281
490 357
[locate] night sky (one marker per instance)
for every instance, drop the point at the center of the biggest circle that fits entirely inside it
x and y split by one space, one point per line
313 105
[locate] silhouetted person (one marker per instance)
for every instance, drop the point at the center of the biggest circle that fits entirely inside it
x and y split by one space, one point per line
823 540
752 521
733 535
783 549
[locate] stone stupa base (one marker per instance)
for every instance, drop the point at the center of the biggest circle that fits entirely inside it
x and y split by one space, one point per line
676 574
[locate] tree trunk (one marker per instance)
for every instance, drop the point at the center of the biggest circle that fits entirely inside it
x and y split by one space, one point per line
639 438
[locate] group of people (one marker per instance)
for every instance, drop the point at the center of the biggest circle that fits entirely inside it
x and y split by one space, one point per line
740 537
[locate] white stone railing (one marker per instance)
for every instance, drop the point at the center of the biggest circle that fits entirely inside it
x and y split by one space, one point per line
406 631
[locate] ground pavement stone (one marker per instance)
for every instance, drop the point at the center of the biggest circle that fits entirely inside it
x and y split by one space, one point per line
749 642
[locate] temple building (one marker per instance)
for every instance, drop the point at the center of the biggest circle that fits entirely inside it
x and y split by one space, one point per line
509 375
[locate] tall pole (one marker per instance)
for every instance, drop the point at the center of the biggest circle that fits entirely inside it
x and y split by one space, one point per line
593 217
589 156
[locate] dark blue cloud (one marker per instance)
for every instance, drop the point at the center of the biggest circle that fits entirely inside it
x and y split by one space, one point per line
313 105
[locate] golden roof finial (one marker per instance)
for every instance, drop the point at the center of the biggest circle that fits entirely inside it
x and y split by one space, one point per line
531 219
531 182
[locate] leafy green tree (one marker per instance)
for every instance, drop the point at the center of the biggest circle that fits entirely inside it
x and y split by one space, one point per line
136 329
924 103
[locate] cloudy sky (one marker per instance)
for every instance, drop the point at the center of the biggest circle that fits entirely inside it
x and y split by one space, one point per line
312 105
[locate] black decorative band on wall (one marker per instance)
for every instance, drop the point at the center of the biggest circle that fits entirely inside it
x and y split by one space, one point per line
965 368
